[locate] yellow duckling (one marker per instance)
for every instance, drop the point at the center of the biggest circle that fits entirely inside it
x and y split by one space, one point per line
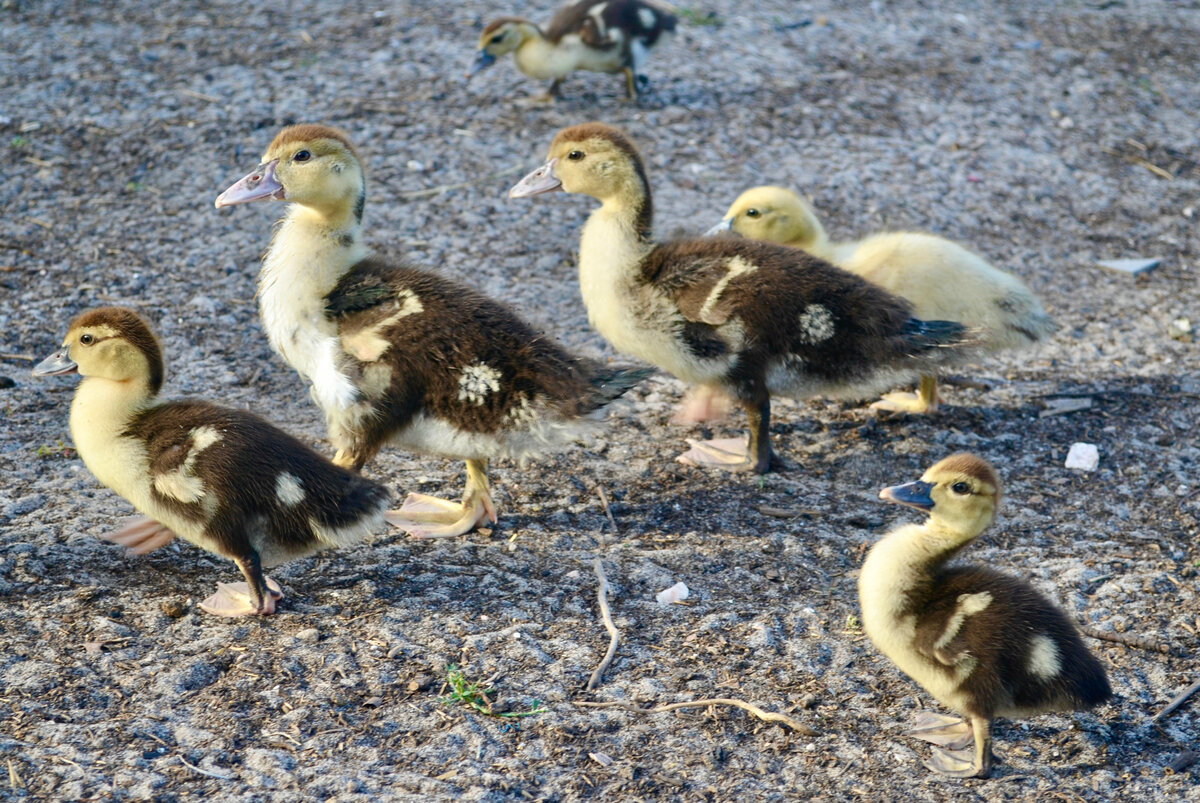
222 479
940 278
983 643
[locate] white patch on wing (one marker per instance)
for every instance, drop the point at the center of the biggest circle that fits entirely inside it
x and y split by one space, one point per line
734 268
288 489
968 604
476 382
647 18
181 482
1044 661
816 324
523 411
369 344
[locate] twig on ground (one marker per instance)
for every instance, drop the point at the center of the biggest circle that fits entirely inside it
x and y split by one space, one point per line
1184 760
220 776
462 185
607 510
1179 700
25 357
1140 642
614 636
766 716
14 780
960 381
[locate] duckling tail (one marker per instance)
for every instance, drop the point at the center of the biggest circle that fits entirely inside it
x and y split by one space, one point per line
608 384
923 335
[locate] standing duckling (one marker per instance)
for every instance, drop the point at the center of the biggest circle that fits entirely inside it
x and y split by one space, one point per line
738 317
399 355
940 278
983 643
222 479
594 35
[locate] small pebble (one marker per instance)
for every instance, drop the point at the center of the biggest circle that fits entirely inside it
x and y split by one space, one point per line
173 608
310 635
1083 457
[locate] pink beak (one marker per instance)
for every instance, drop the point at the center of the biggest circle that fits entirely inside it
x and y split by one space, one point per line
537 182
255 187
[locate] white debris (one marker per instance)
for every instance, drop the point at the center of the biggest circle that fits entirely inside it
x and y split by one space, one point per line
676 593
602 759
1083 457
1131 266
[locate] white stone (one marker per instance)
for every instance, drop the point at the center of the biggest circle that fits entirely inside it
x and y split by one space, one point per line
676 593
1083 457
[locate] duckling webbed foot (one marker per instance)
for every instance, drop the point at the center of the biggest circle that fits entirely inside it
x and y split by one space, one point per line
945 731
237 599
925 400
423 516
739 454
961 749
141 535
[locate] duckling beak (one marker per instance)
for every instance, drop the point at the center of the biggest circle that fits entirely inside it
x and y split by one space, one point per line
722 227
539 181
483 60
911 494
56 364
254 187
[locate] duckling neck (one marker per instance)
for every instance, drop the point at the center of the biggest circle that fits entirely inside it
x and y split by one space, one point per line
100 415
905 560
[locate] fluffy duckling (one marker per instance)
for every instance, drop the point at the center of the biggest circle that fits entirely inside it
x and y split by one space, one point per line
594 35
745 318
940 278
223 479
400 355
983 643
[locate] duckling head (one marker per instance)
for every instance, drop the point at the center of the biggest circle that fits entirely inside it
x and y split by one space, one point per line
961 494
774 215
111 343
593 159
499 38
315 166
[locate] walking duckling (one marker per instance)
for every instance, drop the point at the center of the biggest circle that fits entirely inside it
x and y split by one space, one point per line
399 355
739 317
983 643
595 35
224 480
940 278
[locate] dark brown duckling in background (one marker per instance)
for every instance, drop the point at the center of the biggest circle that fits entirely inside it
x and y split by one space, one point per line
984 643
744 318
224 480
399 355
593 35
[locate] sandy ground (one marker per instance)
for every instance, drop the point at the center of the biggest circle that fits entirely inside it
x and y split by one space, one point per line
1046 136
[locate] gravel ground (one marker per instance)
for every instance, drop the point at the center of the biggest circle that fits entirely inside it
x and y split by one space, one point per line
1046 136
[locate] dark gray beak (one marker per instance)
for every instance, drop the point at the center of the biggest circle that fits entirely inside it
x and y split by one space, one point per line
483 60
911 494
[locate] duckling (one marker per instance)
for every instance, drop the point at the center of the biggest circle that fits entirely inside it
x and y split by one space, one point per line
399 355
594 35
745 318
983 643
940 278
224 480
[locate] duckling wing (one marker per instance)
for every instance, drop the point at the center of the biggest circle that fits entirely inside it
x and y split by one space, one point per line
586 19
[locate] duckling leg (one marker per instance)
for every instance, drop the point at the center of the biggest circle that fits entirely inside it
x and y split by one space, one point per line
141 535
730 453
549 96
965 762
255 597
630 84
925 400
423 516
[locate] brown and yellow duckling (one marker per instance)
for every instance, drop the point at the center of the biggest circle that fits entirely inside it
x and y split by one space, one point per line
940 278
738 317
594 35
983 643
403 356
224 480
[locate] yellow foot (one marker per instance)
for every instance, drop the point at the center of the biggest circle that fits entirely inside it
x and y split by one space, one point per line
141 535
727 453
235 599
423 516
956 763
904 403
702 404
939 729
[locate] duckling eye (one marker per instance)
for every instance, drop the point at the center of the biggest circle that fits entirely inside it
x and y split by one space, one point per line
960 488
87 340
752 213
575 156
497 39
302 156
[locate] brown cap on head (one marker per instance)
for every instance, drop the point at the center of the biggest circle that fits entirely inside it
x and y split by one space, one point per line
596 130
971 465
496 24
131 327
306 132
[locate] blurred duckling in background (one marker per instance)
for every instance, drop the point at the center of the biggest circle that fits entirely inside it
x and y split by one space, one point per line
742 318
983 643
940 278
224 480
595 35
400 355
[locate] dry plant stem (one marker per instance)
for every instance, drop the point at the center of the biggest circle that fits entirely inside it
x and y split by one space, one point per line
614 636
765 716
1184 760
1140 642
1179 700
607 510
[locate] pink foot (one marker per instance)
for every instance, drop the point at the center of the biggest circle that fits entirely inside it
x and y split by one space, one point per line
141 535
235 599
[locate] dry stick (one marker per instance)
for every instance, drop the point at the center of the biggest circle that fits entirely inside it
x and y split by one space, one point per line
1184 760
765 716
1141 642
220 776
614 637
1179 700
607 509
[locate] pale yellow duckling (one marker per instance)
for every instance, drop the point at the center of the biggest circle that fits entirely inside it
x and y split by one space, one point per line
983 643
940 278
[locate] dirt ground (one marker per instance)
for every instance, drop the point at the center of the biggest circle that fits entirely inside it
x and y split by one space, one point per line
1044 135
